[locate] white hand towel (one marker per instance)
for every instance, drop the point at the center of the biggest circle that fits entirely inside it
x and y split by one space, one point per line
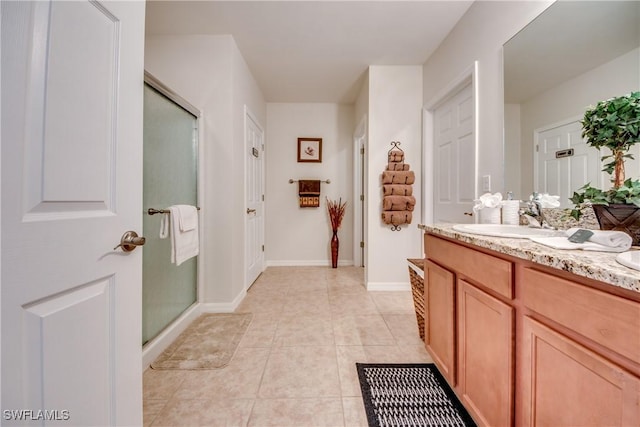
164 226
602 241
184 244
188 217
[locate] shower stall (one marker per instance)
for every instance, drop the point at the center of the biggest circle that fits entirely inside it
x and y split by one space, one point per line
170 178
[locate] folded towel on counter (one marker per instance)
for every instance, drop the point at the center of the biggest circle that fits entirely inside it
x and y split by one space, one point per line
398 203
184 244
601 241
396 156
397 190
398 167
398 177
396 217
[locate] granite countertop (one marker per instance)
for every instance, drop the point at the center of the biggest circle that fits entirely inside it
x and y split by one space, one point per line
600 266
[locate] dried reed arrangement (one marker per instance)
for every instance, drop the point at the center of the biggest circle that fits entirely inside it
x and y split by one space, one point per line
336 212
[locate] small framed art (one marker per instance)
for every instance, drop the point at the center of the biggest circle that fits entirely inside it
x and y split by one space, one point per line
310 150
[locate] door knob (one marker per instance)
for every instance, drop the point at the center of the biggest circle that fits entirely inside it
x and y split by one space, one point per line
129 241
250 211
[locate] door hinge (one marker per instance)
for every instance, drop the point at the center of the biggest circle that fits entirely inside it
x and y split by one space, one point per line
362 150
263 197
537 148
262 248
362 244
362 197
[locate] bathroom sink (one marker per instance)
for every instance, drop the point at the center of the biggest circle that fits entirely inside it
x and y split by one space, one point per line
629 259
503 230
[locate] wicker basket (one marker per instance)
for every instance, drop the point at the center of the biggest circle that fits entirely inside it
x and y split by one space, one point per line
416 273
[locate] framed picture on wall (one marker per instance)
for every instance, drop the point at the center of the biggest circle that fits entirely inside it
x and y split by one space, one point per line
310 150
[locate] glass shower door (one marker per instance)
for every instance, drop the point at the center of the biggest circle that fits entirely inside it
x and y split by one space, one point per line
170 178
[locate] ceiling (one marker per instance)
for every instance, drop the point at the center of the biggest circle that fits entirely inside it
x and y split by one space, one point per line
314 51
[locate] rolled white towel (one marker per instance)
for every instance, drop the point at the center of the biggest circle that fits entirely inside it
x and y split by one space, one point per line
610 238
488 200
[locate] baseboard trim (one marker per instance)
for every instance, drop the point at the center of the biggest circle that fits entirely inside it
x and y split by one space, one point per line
225 307
307 263
388 286
152 349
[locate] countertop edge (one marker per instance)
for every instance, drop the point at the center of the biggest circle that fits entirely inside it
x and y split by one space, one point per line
600 266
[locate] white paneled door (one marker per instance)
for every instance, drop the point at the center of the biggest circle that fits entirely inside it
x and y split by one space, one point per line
564 162
72 84
454 158
254 146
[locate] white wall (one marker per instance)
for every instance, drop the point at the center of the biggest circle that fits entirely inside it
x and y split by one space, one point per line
209 72
395 101
301 236
479 35
570 99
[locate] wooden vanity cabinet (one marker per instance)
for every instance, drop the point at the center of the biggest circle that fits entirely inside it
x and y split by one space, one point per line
485 355
469 330
439 334
571 337
565 384
526 345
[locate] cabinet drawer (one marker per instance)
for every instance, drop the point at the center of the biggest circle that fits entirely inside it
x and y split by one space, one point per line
486 270
607 319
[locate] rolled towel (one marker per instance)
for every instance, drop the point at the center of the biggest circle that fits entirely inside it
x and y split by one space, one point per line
397 190
396 156
398 203
618 240
398 177
601 241
396 217
398 167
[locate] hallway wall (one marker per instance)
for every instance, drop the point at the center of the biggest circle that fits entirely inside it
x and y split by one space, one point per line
394 104
479 35
301 236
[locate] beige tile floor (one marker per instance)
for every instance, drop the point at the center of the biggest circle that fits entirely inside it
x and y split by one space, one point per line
295 366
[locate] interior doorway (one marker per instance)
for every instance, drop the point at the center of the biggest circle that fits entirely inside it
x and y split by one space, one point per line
451 144
254 220
359 146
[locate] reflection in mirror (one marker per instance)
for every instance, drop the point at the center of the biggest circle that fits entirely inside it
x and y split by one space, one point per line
571 56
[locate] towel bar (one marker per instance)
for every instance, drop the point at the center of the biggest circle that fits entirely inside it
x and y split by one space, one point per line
291 181
152 211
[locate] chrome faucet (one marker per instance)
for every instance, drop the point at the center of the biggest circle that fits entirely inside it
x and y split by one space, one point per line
533 213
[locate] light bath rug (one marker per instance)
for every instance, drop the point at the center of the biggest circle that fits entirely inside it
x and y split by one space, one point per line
208 343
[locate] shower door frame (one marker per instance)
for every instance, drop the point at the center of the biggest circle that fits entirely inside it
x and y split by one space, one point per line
152 349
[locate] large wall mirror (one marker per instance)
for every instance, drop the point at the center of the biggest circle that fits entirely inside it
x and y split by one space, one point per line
571 56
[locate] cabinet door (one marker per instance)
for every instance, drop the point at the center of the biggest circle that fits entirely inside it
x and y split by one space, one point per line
485 356
439 295
565 384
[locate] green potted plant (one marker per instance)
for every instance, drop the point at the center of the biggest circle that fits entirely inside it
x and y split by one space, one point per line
613 124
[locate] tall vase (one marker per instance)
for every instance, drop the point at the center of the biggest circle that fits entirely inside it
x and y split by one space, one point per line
335 244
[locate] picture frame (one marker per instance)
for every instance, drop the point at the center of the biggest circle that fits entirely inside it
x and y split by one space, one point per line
310 150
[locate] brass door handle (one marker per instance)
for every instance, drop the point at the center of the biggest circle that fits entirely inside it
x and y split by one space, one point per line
250 211
129 241
469 213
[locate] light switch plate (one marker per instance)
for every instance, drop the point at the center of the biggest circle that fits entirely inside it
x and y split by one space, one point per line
486 182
